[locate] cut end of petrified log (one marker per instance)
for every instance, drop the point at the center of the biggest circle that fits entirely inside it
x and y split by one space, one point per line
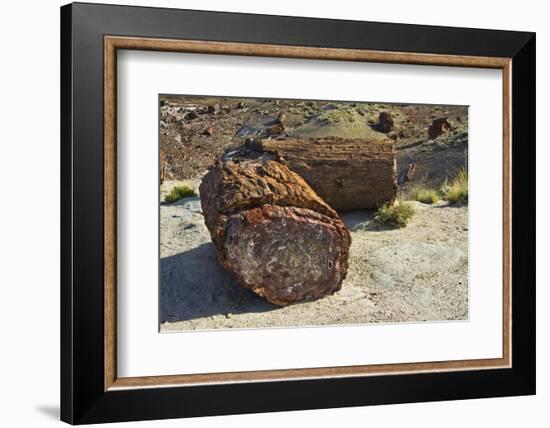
286 254
272 231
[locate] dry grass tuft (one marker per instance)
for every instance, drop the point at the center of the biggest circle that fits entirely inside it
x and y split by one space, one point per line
456 192
425 195
179 192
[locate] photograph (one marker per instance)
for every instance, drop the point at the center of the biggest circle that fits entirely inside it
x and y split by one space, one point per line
294 213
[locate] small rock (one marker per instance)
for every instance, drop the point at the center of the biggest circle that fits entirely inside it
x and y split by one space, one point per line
213 108
281 117
385 122
191 115
240 104
438 127
208 131
275 129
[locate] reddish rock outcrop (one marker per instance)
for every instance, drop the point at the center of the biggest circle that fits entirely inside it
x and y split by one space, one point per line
385 122
438 127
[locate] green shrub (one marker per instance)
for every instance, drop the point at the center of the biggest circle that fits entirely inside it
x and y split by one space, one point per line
396 215
425 195
457 191
179 192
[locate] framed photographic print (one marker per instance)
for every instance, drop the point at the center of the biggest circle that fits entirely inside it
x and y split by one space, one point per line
265 213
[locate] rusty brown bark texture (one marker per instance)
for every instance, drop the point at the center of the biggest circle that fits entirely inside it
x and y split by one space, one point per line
272 231
348 174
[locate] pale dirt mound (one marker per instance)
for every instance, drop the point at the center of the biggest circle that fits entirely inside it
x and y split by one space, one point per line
343 122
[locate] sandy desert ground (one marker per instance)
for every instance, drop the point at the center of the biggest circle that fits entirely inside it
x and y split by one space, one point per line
418 273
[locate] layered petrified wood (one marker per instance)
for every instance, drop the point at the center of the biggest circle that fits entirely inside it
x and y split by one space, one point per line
272 231
348 174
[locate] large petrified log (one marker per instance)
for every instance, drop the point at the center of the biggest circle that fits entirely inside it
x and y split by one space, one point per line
348 174
272 231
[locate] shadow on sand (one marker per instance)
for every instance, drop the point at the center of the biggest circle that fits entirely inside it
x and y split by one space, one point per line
363 220
193 285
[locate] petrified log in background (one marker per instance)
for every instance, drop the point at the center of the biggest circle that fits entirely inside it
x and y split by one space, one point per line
162 161
348 174
272 231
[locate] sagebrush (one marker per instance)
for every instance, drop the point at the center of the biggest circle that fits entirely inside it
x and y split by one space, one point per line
396 215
